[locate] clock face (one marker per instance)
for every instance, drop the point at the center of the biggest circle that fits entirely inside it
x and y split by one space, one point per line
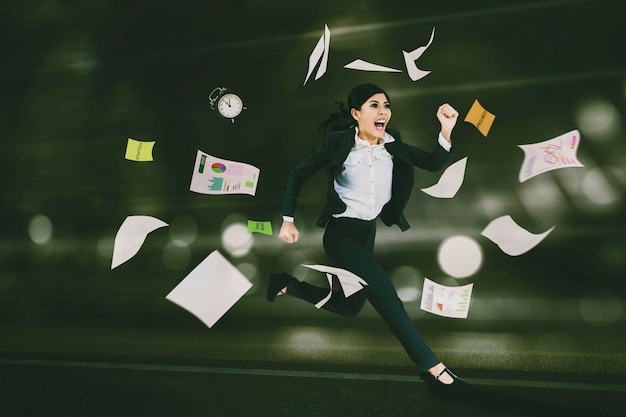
230 105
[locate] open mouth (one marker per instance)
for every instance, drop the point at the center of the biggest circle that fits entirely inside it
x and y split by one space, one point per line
380 124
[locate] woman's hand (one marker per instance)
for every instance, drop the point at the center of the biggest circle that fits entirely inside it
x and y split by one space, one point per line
447 116
288 232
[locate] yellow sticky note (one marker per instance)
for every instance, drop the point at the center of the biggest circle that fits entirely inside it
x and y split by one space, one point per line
480 118
259 227
139 151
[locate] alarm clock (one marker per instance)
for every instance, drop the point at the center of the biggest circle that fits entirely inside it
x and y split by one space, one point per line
227 103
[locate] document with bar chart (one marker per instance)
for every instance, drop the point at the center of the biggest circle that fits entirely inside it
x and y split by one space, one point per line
213 175
446 301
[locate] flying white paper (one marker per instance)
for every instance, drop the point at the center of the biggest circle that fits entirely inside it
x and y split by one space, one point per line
220 176
131 235
446 301
350 283
319 54
450 181
361 65
410 58
558 152
210 289
510 237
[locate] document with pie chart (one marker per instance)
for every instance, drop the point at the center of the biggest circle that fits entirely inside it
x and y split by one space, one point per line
213 175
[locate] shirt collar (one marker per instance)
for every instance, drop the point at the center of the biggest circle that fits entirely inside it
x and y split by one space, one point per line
360 143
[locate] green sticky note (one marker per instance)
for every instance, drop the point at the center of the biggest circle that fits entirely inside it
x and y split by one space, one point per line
260 227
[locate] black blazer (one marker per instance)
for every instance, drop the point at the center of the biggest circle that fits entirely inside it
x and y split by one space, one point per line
333 151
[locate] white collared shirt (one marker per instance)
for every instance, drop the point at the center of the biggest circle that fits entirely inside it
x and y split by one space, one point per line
364 184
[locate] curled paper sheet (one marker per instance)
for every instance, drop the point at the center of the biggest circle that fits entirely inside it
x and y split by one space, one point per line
220 176
139 151
558 152
361 65
410 58
480 118
319 54
350 283
510 237
446 301
131 235
450 181
210 289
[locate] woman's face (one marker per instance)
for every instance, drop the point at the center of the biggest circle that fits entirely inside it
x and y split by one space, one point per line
372 117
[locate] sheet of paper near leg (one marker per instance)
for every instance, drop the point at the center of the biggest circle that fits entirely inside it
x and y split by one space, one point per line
350 283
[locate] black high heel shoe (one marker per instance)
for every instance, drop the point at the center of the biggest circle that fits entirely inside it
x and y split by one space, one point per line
277 283
458 388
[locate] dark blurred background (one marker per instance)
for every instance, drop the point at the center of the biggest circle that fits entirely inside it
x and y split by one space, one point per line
78 78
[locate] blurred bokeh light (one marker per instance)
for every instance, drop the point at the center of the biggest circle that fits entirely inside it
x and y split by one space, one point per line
235 237
407 280
460 256
183 230
176 255
598 120
40 229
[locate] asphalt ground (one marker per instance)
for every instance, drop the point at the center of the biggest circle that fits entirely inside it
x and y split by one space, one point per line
280 365
82 388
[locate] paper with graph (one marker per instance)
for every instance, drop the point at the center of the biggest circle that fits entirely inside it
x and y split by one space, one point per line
555 153
213 175
446 301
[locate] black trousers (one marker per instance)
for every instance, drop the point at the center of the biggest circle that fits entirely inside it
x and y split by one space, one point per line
349 243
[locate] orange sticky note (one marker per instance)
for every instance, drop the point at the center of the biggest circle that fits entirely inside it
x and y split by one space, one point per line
480 118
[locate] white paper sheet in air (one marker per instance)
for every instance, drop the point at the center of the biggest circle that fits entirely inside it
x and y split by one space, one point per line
558 152
450 181
361 65
213 175
131 235
446 301
410 58
319 54
350 283
210 289
512 238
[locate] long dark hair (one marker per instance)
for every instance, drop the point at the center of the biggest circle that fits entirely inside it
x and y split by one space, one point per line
343 119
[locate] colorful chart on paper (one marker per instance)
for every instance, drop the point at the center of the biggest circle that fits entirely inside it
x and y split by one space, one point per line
219 168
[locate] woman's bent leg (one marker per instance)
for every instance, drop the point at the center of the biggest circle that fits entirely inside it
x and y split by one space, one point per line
338 303
349 252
